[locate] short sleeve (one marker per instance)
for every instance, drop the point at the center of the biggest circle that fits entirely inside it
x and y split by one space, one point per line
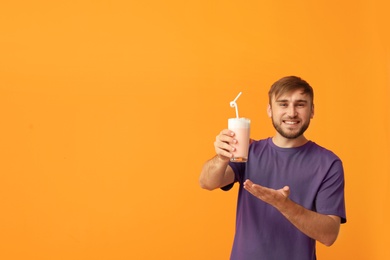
239 170
330 198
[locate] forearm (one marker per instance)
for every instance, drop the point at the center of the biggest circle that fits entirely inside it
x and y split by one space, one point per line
214 174
322 228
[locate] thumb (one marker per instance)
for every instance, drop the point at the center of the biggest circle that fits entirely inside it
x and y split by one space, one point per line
286 191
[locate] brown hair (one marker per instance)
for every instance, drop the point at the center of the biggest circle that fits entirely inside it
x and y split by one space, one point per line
287 84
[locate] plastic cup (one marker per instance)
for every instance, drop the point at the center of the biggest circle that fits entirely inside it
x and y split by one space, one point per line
241 128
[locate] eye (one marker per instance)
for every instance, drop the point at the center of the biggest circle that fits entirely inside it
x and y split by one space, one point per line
283 104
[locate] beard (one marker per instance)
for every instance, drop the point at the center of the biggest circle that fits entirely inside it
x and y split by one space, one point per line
290 134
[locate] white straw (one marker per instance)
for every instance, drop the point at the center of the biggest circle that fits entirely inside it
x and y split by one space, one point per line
239 94
236 110
234 104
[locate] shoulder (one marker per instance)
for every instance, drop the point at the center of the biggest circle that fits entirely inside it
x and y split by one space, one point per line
328 161
260 143
321 151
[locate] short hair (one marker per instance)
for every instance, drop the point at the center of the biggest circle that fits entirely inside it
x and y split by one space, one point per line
288 84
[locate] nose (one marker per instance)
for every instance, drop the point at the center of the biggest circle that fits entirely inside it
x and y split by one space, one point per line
292 112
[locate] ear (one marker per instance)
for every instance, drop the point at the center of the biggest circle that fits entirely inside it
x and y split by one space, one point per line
269 110
312 111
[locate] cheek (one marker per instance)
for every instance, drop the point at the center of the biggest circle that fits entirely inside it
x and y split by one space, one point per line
275 113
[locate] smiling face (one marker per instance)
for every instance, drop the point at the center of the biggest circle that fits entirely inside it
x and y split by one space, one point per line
291 113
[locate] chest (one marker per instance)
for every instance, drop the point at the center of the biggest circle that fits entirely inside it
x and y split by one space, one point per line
302 172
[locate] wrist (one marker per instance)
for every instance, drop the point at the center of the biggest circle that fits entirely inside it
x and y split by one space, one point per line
289 208
222 160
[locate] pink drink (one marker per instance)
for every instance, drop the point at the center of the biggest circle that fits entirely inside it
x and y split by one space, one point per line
241 128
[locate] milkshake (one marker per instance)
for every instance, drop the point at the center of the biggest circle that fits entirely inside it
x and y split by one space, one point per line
241 128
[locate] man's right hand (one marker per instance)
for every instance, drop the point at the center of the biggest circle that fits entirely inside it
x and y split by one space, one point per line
224 144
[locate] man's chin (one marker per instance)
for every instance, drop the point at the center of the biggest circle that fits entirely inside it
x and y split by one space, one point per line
291 134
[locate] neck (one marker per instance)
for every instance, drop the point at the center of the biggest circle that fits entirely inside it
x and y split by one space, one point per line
283 142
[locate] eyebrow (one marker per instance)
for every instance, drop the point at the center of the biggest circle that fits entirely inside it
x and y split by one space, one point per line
295 101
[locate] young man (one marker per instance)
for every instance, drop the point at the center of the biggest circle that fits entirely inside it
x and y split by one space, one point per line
291 190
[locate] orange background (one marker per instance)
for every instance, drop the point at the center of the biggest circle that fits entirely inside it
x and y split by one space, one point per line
110 108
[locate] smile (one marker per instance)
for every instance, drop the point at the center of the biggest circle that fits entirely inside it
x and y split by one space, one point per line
290 122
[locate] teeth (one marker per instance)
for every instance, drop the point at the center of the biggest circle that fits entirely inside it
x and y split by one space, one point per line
290 122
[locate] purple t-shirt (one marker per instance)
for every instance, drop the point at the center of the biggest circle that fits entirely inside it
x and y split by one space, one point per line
316 180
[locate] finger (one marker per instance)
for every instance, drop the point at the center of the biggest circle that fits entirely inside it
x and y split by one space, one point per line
223 143
226 139
249 189
248 183
222 146
252 185
256 189
286 191
223 153
249 186
227 132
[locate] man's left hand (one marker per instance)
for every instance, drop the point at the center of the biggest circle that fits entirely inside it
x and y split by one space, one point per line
273 197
